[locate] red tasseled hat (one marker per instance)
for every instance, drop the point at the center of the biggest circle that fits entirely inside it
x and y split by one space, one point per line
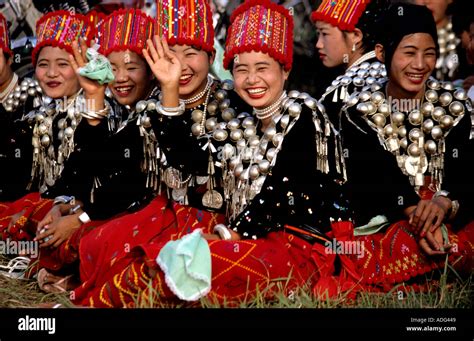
60 29
343 14
125 29
261 26
186 22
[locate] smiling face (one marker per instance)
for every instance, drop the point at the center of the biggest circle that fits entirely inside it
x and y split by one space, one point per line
55 74
412 63
333 47
259 79
132 79
195 65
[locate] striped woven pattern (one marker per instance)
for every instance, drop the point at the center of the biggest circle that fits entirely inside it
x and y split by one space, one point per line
186 22
343 14
261 26
61 29
125 30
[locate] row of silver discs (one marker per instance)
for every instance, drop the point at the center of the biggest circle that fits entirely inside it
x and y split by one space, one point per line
28 87
214 127
364 75
428 123
250 157
448 60
47 161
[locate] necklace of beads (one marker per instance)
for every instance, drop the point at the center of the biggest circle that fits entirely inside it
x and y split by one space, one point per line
269 111
201 94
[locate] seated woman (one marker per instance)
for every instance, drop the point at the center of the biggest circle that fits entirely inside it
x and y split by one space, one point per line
15 136
117 183
53 120
426 125
112 143
278 184
191 135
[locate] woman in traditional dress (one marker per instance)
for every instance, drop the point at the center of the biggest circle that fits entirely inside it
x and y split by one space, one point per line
15 143
426 125
279 196
103 176
50 124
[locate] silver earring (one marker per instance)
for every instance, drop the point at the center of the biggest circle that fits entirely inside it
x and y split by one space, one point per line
354 48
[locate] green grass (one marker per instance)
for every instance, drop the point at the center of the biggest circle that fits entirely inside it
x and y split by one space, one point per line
444 289
444 292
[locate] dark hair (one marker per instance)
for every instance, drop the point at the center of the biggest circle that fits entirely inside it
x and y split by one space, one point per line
403 19
369 23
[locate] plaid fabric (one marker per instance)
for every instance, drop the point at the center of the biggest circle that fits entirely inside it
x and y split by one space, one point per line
125 30
343 14
117 274
394 256
261 26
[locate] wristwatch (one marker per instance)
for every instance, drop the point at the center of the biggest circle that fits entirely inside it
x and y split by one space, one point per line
83 217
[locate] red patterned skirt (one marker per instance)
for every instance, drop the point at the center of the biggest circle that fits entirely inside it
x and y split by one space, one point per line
394 256
34 209
116 258
241 268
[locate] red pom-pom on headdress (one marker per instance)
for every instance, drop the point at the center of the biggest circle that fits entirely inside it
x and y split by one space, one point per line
61 29
261 26
343 14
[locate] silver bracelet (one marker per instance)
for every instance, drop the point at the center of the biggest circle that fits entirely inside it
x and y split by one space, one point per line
454 209
222 231
97 115
173 111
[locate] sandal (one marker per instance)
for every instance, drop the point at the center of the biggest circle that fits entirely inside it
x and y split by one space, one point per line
52 283
16 267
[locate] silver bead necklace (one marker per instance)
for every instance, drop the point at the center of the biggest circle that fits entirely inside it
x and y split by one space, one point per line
201 94
271 109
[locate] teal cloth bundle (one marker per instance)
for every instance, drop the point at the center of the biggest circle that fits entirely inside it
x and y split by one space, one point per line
98 68
186 263
375 225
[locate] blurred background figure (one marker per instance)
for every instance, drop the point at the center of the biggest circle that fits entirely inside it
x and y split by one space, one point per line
463 26
451 64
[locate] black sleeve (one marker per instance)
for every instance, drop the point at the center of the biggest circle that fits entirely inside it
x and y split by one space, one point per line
294 192
183 150
104 172
85 162
16 153
376 185
123 185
